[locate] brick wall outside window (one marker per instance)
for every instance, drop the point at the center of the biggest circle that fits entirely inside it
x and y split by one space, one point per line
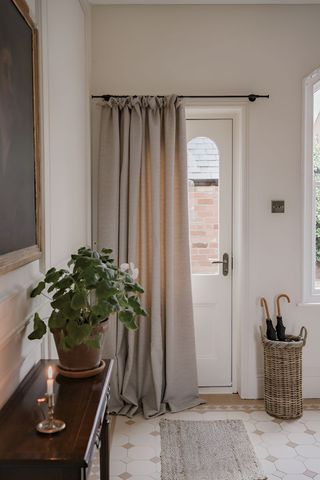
204 225
203 175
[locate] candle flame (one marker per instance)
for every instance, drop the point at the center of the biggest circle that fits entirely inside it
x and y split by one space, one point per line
50 372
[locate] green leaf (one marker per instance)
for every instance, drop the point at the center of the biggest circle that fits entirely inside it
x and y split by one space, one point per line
65 282
79 300
110 273
106 251
135 304
70 262
91 276
56 320
114 304
95 319
133 287
54 276
38 289
102 309
61 286
104 290
84 262
127 318
93 342
123 302
57 294
51 270
50 289
61 301
68 312
65 342
138 288
85 251
39 328
78 332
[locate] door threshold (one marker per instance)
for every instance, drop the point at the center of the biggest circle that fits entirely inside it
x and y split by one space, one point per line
216 390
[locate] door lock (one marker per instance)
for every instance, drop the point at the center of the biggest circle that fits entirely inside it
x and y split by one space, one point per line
225 263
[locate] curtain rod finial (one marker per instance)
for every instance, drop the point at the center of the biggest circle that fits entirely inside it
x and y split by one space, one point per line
252 97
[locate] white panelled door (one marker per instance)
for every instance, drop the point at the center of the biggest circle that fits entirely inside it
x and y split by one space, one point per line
210 217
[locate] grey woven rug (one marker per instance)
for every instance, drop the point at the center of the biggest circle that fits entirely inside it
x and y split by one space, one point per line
216 450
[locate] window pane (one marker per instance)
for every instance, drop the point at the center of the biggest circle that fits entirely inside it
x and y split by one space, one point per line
316 169
203 181
317 279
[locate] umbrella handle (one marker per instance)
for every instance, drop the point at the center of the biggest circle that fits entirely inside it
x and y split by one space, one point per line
264 305
282 295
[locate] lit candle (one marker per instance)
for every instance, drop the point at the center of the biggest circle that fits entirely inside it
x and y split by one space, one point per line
50 382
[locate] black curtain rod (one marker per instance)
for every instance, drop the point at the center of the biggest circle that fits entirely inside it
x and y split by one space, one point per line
252 97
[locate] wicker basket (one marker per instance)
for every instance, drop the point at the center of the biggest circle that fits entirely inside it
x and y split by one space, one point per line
283 376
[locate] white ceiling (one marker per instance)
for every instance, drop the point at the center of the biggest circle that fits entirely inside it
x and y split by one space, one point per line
204 2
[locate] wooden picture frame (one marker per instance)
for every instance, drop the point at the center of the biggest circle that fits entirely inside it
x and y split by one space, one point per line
20 216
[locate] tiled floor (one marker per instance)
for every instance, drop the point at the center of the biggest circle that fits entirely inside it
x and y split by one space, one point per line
288 450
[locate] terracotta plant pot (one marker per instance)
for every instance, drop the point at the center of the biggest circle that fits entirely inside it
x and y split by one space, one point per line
81 358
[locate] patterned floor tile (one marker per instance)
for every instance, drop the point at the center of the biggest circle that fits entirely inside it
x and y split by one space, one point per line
267 466
313 464
290 466
141 467
118 453
142 453
282 451
261 452
308 451
310 473
268 427
117 467
293 426
301 438
271 439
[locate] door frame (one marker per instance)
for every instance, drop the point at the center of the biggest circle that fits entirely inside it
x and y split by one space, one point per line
238 113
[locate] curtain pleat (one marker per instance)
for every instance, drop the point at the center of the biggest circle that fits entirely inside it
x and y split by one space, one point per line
143 217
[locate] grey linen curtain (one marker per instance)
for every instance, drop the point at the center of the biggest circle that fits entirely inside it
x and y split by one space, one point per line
143 216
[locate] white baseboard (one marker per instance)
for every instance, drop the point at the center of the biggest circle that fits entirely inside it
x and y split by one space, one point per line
310 386
215 390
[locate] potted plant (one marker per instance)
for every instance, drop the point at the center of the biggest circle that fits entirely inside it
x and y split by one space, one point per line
83 299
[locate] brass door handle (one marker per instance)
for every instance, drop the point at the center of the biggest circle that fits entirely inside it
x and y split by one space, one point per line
225 264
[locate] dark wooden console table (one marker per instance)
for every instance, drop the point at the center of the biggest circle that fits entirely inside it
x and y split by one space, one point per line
81 403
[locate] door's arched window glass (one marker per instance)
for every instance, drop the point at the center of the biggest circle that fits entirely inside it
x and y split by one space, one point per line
203 183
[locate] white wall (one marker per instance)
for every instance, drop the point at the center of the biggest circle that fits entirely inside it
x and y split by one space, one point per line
66 178
200 50
66 132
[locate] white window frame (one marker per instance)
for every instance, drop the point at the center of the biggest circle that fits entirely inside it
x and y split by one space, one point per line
310 293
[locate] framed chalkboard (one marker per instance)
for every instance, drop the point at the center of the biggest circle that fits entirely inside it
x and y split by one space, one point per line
20 223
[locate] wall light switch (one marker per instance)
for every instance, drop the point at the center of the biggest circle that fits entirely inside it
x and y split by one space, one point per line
277 206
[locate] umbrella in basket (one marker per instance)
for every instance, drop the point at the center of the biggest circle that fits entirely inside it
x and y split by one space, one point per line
281 329
271 332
